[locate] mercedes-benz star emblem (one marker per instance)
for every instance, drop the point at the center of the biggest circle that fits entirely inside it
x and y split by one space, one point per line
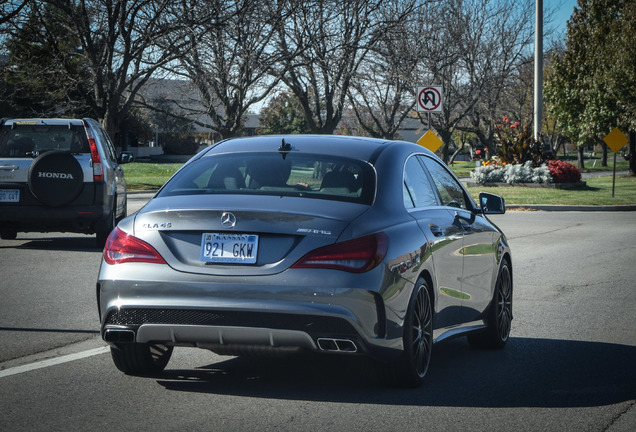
228 220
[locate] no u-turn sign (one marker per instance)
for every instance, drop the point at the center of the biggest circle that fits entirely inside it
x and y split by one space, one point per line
429 99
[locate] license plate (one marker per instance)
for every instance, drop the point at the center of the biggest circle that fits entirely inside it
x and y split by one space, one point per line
9 195
229 248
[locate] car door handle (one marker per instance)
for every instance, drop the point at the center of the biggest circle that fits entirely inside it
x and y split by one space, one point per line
437 231
9 167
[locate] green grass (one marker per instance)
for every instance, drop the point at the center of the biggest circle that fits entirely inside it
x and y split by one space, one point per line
151 176
597 192
463 168
148 176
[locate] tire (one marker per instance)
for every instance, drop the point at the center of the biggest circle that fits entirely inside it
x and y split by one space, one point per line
141 359
499 316
104 228
55 178
8 233
411 367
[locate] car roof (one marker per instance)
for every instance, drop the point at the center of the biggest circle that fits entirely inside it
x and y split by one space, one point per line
43 121
361 148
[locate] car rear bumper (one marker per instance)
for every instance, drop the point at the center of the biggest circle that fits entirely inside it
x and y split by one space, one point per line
45 219
235 315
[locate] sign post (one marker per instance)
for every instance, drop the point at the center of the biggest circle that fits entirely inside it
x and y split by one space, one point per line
429 99
615 140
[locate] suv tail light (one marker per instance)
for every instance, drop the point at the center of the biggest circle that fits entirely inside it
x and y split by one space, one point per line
98 170
354 256
122 248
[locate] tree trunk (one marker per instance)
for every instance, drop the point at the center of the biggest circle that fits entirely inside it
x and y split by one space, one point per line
604 158
581 153
111 125
447 139
454 155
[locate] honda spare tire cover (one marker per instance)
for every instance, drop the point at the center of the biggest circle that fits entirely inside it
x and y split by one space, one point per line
55 178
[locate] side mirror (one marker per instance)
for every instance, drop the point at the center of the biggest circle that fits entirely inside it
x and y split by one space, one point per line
126 157
491 204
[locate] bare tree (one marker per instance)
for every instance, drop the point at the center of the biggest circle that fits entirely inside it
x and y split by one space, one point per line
120 43
493 48
477 44
323 43
9 9
381 92
230 65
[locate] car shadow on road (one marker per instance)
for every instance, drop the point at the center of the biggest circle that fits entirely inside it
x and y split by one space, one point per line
70 244
527 373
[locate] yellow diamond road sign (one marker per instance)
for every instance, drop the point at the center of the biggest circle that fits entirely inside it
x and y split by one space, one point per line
430 141
615 140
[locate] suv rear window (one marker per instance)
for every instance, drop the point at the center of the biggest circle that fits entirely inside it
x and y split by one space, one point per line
300 175
28 141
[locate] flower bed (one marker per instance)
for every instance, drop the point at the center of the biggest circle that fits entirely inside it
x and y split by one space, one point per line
554 174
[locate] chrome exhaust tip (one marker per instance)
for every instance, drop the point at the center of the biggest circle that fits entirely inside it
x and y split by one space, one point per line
337 345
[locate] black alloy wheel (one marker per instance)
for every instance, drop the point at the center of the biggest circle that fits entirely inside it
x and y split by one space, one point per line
499 316
410 369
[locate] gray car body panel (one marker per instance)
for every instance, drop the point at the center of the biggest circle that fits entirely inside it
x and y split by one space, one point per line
373 304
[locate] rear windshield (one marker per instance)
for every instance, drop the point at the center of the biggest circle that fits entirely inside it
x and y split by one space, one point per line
27 141
299 175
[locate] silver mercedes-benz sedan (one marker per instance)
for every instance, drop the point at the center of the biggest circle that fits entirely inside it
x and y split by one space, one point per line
333 244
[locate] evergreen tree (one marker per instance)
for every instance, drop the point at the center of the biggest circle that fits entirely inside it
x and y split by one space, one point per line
591 87
284 115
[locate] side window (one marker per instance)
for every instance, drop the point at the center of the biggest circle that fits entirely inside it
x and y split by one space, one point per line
417 187
450 192
108 145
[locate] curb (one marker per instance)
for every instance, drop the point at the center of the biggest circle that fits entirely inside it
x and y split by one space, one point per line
570 208
139 192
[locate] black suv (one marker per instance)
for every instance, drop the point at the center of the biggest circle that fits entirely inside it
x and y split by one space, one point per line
59 175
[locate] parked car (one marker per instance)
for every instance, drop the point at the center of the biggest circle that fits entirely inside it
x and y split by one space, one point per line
59 175
329 244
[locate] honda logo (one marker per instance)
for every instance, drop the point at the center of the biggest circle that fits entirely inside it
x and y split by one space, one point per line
55 175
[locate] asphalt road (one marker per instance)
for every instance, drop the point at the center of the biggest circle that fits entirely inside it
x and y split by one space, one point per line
569 366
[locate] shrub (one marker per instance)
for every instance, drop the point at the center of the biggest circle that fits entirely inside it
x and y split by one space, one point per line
511 174
564 172
488 174
516 144
542 175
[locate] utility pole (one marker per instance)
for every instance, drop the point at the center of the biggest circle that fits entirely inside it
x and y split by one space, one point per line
538 69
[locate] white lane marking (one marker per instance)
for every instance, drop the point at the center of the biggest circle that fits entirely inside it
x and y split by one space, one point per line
53 361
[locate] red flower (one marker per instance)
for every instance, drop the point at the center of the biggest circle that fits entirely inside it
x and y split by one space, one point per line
564 172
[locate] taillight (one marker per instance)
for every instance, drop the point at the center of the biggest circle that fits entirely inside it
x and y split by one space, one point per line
98 170
355 256
122 248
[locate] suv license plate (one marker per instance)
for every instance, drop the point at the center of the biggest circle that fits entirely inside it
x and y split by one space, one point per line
9 195
229 248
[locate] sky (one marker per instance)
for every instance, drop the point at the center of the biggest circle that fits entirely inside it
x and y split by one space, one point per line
562 11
